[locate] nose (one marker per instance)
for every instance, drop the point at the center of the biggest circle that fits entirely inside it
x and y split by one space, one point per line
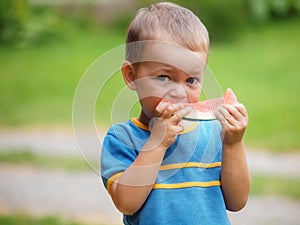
177 93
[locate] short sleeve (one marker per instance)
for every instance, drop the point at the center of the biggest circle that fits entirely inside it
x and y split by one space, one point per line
117 154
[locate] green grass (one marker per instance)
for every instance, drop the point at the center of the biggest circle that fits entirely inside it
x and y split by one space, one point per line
25 157
23 219
37 84
262 67
274 185
261 184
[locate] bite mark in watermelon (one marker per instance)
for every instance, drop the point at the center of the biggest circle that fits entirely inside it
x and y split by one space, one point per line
204 110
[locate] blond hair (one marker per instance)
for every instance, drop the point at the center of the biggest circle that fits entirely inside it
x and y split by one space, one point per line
170 23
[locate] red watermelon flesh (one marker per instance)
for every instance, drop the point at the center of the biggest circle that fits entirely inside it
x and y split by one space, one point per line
203 110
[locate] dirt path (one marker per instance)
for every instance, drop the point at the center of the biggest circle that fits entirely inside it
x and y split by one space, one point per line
81 196
61 142
74 195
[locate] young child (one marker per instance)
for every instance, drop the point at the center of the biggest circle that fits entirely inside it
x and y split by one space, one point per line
158 168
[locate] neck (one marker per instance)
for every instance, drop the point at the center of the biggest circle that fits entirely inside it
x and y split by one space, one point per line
143 118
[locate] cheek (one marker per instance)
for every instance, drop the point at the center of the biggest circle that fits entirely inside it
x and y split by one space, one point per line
193 96
150 90
149 104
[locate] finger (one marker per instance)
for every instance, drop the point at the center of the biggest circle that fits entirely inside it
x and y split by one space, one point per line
220 118
243 123
233 125
183 112
178 128
181 126
242 109
175 118
227 118
174 108
239 114
234 112
178 115
222 121
160 108
178 106
224 112
238 111
171 110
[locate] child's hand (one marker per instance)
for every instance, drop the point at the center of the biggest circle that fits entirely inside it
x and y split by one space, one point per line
166 126
234 120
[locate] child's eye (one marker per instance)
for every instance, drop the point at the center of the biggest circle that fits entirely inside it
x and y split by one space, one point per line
191 80
163 78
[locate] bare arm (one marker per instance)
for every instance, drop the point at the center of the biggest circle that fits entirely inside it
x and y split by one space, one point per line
235 175
131 190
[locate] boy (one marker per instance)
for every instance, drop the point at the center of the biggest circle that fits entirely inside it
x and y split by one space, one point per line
158 168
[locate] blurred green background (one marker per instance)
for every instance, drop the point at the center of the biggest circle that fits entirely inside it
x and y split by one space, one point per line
46 46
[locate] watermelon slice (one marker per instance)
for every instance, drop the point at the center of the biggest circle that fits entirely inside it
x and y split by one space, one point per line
203 110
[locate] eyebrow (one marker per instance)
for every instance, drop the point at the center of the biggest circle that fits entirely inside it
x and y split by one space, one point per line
195 72
164 68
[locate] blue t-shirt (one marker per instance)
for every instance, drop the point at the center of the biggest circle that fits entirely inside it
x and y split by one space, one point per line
187 190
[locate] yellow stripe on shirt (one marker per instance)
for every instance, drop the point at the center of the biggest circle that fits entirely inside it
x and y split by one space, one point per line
188 184
186 130
190 165
176 185
112 179
139 124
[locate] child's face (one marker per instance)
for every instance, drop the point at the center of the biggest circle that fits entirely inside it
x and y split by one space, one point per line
173 76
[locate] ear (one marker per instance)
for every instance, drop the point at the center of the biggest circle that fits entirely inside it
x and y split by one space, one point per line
129 75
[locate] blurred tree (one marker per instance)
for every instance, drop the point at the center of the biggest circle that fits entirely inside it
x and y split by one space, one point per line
266 10
36 22
223 18
220 17
43 25
13 14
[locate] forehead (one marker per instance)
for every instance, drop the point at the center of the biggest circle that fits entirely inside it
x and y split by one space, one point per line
173 55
